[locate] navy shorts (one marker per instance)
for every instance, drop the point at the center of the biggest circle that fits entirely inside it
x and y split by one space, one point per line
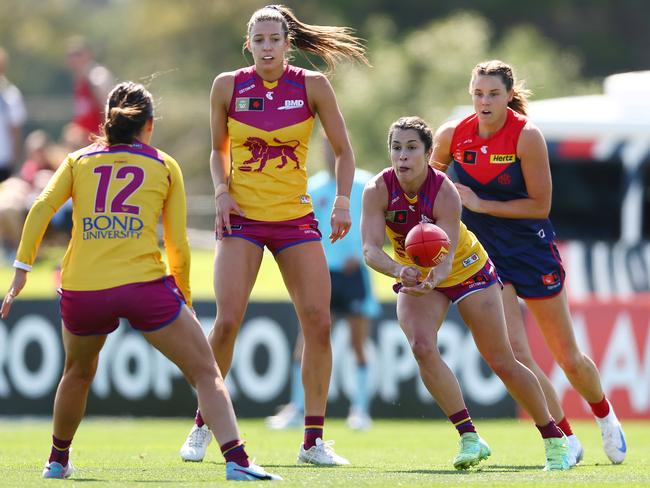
534 272
349 292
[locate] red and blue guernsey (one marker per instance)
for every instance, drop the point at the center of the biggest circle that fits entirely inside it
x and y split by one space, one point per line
404 212
492 169
270 124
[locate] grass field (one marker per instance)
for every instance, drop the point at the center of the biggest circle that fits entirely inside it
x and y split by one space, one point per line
130 453
41 283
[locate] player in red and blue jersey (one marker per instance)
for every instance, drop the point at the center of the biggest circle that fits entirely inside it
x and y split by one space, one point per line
113 269
261 119
396 200
501 162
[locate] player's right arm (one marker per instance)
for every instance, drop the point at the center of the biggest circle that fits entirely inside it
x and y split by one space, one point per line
373 227
55 194
175 231
220 95
441 156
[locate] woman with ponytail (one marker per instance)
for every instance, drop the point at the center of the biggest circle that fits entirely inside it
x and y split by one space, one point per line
504 181
262 118
113 268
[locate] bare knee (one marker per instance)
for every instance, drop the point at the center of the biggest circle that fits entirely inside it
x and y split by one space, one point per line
316 327
571 362
504 368
523 356
202 370
226 328
80 373
424 350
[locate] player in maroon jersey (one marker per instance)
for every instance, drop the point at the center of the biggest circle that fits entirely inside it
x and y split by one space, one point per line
261 119
394 201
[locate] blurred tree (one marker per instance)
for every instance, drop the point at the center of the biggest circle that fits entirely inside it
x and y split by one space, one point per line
426 73
422 57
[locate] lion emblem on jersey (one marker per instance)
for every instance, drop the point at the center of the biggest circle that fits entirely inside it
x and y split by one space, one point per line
261 152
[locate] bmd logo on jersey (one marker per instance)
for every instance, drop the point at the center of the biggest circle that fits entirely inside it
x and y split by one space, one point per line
502 158
245 104
291 104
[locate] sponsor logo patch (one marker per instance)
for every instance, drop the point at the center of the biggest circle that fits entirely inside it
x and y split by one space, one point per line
469 260
397 216
551 280
245 104
247 88
469 157
502 158
291 104
504 179
305 199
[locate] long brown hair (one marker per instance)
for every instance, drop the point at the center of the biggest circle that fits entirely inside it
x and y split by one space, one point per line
330 43
494 67
128 108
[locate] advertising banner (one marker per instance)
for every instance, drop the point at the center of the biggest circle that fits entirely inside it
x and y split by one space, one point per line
135 379
616 335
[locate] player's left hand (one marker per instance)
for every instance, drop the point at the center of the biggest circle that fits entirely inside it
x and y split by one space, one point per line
470 200
341 223
422 288
18 283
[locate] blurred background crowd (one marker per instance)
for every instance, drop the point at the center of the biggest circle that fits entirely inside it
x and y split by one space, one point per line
56 55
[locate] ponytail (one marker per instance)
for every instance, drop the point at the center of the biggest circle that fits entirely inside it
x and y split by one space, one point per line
332 44
128 108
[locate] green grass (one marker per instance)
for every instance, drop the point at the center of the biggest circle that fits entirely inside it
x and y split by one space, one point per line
144 452
41 282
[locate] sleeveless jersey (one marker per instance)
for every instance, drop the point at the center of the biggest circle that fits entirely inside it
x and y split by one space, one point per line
492 169
118 193
403 213
269 125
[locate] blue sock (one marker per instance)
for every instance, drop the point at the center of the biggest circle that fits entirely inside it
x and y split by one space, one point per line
297 394
362 395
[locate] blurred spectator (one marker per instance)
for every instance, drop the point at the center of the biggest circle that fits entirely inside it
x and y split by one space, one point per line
18 192
92 82
12 118
37 147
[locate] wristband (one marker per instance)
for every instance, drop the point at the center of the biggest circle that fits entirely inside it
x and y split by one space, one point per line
23 266
342 202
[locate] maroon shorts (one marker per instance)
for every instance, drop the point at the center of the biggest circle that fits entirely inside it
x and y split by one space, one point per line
147 306
483 278
277 236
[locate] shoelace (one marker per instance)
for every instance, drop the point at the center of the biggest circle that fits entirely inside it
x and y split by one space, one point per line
197 438
327 447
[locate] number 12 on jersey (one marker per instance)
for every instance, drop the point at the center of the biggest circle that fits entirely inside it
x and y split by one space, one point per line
118 204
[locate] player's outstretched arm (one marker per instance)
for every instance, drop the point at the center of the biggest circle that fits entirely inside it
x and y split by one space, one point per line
373 225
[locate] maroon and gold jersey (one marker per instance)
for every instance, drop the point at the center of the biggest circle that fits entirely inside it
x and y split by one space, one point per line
270 125
403 213
118 195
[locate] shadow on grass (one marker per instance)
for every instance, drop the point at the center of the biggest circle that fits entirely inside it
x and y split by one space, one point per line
494 468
